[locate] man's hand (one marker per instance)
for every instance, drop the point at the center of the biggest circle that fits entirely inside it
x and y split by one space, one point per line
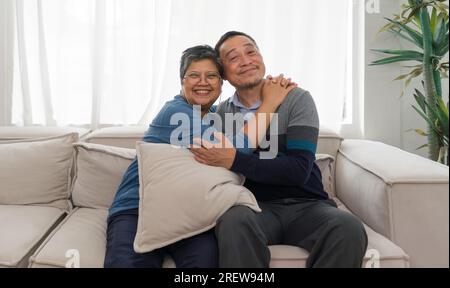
220 154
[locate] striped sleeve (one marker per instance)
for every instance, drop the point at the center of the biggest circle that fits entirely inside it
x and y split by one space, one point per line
294 168
303 124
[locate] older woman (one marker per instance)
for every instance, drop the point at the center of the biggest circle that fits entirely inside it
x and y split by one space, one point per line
201 79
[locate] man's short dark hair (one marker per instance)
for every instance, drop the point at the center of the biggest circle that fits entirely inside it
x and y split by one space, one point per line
229 35
198 53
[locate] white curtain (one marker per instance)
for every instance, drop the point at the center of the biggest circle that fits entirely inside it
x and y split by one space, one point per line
107 62
6 61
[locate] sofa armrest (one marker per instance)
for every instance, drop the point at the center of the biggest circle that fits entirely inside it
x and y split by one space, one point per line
398 194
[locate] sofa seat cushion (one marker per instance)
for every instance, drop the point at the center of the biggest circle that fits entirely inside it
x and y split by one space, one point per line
22 229
84 230
81 236
389 254
379 248
8 133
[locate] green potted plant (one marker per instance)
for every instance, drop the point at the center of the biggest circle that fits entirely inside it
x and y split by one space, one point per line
424 23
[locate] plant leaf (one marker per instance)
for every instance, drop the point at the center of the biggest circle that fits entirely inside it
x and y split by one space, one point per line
442 115
430 123
421 132
421 147
415 35
420 99
401 77
399 52
442 47
401 35
440 41
433 20
396 59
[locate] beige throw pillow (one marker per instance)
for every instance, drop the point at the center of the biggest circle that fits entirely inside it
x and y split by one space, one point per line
325 163
99 171
180 197
37 171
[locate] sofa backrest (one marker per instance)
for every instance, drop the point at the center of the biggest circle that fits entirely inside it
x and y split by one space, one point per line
37 171
329 142
127 136
9 133
121 136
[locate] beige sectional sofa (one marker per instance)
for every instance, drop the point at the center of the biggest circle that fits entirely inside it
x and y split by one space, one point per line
401 198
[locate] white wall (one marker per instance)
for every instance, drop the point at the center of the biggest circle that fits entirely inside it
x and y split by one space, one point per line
387 115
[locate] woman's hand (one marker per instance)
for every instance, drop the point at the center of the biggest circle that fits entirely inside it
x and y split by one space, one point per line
276 89
273 94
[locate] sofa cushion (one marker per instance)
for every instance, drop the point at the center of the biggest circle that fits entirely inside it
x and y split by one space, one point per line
325 163
22 228
37 171
390 254
329 142
8 133
381 252
81 236
180 197
84 231
123 136
99 171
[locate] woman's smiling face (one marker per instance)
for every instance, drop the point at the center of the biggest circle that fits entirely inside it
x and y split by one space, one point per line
202 83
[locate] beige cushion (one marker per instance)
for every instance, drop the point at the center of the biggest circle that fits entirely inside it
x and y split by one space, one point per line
37 171
400 195
82 232
99 171
180 197
32 132
22 228
328 142
81 236
122 136
325 163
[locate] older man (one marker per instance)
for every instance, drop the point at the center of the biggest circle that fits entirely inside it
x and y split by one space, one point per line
295 208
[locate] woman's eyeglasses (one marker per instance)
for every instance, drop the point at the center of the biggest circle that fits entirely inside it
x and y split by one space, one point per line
210 77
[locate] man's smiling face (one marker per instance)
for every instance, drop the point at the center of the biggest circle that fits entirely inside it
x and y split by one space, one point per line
243 64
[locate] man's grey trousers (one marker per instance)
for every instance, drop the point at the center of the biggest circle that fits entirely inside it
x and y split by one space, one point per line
334 238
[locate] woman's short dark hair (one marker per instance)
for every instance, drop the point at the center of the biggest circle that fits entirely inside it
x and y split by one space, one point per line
229 35
198 53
